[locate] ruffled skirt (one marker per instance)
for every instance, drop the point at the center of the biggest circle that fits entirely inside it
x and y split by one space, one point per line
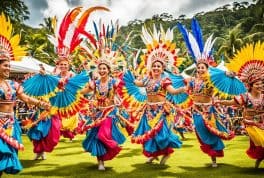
9 162
104 139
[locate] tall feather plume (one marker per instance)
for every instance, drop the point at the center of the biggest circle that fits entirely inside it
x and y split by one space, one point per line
9 44
185 35
194 43
194 46
113 29
96 30
155 33
197 33
66 23
72 27
84 19
208 46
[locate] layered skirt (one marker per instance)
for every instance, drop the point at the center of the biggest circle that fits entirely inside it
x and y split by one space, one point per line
46 134
10 142
154 130
104 136
256 147
210 131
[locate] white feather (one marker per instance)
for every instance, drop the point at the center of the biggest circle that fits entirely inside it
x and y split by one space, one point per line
155 33
208 46
53 40
162 32
194 46
146 36
169 35
135 59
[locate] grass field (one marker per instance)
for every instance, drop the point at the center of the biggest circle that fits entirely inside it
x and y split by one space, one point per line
69 160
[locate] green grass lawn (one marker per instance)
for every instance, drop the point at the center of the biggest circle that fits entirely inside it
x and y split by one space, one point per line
69 160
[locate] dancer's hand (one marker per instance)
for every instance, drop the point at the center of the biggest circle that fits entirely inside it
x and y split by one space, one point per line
44 105
42 69
230 73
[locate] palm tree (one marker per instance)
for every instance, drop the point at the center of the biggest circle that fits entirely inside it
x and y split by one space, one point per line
230 42
15 9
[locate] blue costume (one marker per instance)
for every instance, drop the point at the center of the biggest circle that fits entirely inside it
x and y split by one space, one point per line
104 137
9 128
154 130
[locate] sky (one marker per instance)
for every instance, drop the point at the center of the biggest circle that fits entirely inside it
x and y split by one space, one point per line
123 10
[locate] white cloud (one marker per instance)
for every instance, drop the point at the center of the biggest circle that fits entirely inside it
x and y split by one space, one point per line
56 8
126 10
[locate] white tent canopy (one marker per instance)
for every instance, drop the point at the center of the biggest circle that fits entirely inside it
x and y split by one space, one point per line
29 64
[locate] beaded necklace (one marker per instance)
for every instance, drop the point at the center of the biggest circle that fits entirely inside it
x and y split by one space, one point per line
103 90
153 85
198 85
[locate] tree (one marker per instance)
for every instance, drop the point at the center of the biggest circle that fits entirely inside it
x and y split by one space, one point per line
38 44
15 9
230 43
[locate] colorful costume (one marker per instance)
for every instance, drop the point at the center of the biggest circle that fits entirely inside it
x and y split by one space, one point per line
104 138
10 132
45 133
154 130
106 117
248 63
208 127
256 134
63 93
66 40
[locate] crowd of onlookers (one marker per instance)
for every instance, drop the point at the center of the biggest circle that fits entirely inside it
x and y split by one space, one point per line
24 111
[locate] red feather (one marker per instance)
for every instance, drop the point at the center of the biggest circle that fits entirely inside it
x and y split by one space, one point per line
66 22
84 18
89 36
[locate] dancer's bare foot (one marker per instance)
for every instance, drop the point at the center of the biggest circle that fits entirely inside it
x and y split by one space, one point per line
101 166
37 156
214 164
151 159
43 156
164 159
257 163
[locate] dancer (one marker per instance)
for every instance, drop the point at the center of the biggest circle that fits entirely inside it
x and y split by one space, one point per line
155 113
202 86
66 39
248 63
10 132
104 137
61 90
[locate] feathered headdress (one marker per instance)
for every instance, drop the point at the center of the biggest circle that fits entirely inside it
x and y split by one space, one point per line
248 63
199 51
9 44
159 47
68 35
102 48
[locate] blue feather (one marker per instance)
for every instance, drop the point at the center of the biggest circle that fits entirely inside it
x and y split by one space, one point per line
225 84
186 39
177 82
107 32
40 85
197 33
96 30
112 32
138 93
